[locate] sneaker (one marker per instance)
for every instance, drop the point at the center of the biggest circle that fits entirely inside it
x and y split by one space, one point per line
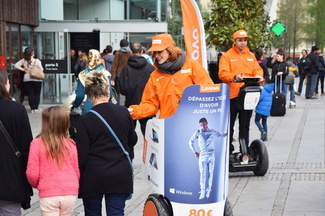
39 110
314 97
32 111
322 94
263 136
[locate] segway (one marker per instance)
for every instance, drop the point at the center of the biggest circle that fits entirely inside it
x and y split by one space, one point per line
255 157
170 167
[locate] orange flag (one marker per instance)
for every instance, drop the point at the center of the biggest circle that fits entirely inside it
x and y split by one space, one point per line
194 34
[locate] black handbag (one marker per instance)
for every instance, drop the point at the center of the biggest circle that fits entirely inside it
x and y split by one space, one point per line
25 205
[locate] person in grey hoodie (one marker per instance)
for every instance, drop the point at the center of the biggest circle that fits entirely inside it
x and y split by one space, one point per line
109 58
290 79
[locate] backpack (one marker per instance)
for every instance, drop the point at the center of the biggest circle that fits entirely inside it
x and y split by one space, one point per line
292 71
307 65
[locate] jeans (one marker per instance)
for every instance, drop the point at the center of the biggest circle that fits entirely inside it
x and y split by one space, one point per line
292 92
114 202
10 208
206 167
321 81
262 127
311 84
301 82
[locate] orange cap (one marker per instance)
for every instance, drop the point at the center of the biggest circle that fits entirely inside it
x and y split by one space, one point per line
161 42
240 34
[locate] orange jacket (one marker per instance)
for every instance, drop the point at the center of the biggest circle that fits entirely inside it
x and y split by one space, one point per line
232 63
164 91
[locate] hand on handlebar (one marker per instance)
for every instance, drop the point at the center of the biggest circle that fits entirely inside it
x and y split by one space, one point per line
239 77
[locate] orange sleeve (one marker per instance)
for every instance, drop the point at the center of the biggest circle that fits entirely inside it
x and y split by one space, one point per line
149 103
225 73
200 75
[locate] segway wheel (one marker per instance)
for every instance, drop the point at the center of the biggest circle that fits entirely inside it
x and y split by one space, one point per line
157 205
228 209
258 152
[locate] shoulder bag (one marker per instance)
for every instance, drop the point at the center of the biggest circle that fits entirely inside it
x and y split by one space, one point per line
36 72
118 141
26 204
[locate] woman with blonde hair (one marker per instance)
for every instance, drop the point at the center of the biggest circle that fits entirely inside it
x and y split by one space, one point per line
53 164
104 167
174 72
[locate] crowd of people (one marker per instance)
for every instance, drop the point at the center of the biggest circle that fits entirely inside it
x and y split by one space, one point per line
94 165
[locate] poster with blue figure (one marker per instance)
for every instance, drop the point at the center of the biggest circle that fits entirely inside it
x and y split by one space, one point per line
196 146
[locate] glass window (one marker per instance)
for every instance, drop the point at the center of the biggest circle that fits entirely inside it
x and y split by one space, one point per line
148 9
26 37
104 10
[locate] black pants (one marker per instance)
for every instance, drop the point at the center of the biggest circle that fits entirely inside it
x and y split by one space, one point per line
33 89
143 124
321 81
234 112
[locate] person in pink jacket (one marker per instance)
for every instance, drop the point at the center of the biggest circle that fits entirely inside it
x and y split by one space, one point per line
52 165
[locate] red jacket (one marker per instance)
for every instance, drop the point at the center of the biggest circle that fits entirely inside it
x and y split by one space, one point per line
232 63
164 91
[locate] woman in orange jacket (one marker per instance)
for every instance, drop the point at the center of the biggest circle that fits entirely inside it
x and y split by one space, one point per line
174 72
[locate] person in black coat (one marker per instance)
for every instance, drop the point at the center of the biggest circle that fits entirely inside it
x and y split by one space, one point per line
279 71
15 190
259 54
134 78
301 70
312 73
321 74
104 168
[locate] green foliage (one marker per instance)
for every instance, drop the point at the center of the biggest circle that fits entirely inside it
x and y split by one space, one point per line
175 23
228 16
292 14
305 22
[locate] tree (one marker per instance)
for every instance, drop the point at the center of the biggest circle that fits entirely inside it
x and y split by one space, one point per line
228 16
314 28
175 23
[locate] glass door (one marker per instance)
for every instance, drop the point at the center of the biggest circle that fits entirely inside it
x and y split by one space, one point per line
13 55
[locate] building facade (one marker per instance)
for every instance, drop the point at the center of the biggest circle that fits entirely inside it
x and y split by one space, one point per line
53 28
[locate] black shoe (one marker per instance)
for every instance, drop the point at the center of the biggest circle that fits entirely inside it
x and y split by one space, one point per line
297 93
263 136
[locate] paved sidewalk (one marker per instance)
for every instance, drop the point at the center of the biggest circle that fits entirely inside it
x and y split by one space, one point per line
294 184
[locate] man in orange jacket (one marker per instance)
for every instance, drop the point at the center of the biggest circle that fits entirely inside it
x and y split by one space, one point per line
174 72
236 63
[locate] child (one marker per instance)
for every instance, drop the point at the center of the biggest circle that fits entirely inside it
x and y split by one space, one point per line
263 108
53 164
290 80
